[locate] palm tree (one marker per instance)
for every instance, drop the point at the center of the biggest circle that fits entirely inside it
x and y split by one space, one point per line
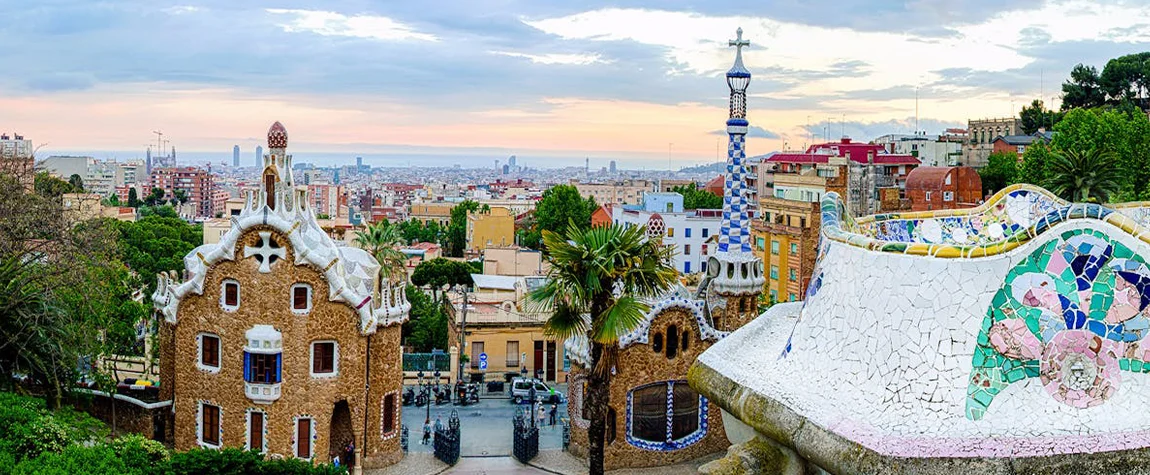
1084 176
595 289
382 242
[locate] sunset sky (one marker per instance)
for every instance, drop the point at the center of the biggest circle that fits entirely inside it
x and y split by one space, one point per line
628 79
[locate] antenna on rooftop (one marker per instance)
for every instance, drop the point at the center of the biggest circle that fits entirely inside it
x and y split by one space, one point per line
916 110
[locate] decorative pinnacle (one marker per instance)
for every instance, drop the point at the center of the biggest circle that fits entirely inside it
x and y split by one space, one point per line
738 70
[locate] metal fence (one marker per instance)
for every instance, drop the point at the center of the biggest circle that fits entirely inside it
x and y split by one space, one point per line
447 440
426 361
566 434
525 442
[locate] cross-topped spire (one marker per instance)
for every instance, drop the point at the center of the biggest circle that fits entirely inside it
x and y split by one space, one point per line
739 42
738 71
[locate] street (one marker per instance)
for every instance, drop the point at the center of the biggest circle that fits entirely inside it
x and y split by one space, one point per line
485 427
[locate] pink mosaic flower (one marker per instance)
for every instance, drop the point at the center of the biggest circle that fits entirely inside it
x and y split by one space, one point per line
1080 369
1013 339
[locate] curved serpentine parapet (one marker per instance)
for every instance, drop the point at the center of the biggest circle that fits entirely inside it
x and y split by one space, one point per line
978 339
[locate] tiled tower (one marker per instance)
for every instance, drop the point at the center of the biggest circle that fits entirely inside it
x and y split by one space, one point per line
736 274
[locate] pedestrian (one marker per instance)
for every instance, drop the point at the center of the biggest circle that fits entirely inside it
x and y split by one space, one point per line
554 413
438 424
426 431
349 456
542 414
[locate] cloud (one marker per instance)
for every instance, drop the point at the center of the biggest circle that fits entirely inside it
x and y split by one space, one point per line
356 26
555 58
753 131
481 61
867 131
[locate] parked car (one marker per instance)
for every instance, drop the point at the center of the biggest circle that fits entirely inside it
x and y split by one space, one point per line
521 391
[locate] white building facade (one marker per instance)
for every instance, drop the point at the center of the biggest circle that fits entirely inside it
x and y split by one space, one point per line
691 233
931 150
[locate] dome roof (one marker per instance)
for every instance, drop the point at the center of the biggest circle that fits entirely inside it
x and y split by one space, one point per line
277 136
656 226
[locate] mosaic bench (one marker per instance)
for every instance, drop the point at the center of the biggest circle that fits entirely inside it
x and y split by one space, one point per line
1000 339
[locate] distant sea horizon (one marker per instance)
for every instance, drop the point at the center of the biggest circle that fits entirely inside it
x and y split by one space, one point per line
478 160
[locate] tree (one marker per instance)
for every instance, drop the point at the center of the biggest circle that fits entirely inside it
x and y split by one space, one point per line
694 198
1122 134
155 243
382 241
164 211
1084 175
155 198
77 183
1001 170
56 278
426 329
51 187
1082 89
456 241
560 206
1127 78
133 198
1033 169
414 230
180 196
1035 116
587 265
438 272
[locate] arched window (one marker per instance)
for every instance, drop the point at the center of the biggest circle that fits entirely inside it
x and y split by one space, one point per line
230 295
654 408
672 341
657 343
686 340
270 189
300 298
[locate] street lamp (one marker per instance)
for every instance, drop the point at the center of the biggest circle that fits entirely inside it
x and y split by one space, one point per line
425 387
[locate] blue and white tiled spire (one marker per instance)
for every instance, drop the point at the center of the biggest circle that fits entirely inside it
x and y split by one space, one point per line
735 233
740 271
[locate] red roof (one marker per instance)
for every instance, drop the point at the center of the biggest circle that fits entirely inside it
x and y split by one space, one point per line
715 186
820 153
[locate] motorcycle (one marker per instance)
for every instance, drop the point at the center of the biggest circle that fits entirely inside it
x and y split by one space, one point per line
421 399
442 396
408 397
473 393
460 394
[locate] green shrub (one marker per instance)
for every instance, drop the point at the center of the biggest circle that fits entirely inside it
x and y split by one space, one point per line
30 439
76 459
213 462
232 461
140 452
7 463
298 467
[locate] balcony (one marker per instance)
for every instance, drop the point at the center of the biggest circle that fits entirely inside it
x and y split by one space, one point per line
262 393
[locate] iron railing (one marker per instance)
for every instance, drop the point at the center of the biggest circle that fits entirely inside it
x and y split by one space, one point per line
525 443
426 362
447 440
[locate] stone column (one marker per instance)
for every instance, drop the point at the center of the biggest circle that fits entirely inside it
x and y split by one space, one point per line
453 373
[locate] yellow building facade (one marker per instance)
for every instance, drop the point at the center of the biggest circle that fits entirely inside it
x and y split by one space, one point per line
492 228
432 212
786 239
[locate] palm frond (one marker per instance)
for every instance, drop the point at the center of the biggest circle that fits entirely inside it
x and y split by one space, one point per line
621 318
1088 175
566 322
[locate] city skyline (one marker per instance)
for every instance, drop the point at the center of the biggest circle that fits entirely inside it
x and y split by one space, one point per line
633 83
